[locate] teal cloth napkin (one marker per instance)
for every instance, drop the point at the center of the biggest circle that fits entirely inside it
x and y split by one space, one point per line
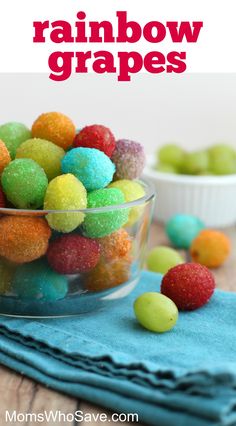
186 377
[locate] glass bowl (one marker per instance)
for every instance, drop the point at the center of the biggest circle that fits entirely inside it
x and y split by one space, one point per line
48 273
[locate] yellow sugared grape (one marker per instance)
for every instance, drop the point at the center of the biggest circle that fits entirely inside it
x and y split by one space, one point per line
132 191
45 153
65 192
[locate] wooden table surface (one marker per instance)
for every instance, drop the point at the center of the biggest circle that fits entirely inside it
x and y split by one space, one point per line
24 395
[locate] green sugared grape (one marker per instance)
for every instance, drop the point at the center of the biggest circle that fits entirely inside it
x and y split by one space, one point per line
195 163
222 159
166 168
171 154
25 183
161 259
155 312
13 134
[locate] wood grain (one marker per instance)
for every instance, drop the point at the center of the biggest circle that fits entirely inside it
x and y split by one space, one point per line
24 395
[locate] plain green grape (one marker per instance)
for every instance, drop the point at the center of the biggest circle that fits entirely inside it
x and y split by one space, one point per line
155 312
221 149
223 166
222 159
195 163
171 154
166 168
161 259
219 159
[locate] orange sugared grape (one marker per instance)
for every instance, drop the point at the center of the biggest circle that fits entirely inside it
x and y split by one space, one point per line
23 239
54 127
4 156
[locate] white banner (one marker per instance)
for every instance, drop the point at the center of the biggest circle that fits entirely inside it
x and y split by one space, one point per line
213 51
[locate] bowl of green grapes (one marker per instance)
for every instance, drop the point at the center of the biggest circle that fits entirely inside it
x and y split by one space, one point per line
200 183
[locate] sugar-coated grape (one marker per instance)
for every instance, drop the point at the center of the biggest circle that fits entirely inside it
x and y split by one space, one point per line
210 248
189 285
73 254
161 259
24 183
45 153
195 163
132 191
96 136
116 245
23 238
65 192
171 154
182 229
91 166
54 127
155 312
107 275
4 156
13 134
37 280
100 224
129 159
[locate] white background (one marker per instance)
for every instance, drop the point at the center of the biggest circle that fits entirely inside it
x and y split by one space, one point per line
192 109
215 50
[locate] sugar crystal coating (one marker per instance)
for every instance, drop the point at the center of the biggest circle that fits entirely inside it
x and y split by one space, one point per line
24 183
38 281
91 246
100 224
107 275
96 136
45 153
182 229
129 159
189 285
91 166
13 134
210 248
23 238
73 254
116 245
54 127
65 192
4 156
132 191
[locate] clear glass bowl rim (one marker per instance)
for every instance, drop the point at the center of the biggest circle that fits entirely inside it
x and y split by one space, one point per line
149 195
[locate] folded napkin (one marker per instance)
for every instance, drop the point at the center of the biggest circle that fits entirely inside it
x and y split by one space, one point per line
184 377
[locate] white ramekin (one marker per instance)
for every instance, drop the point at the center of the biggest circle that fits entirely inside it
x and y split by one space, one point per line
210 198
